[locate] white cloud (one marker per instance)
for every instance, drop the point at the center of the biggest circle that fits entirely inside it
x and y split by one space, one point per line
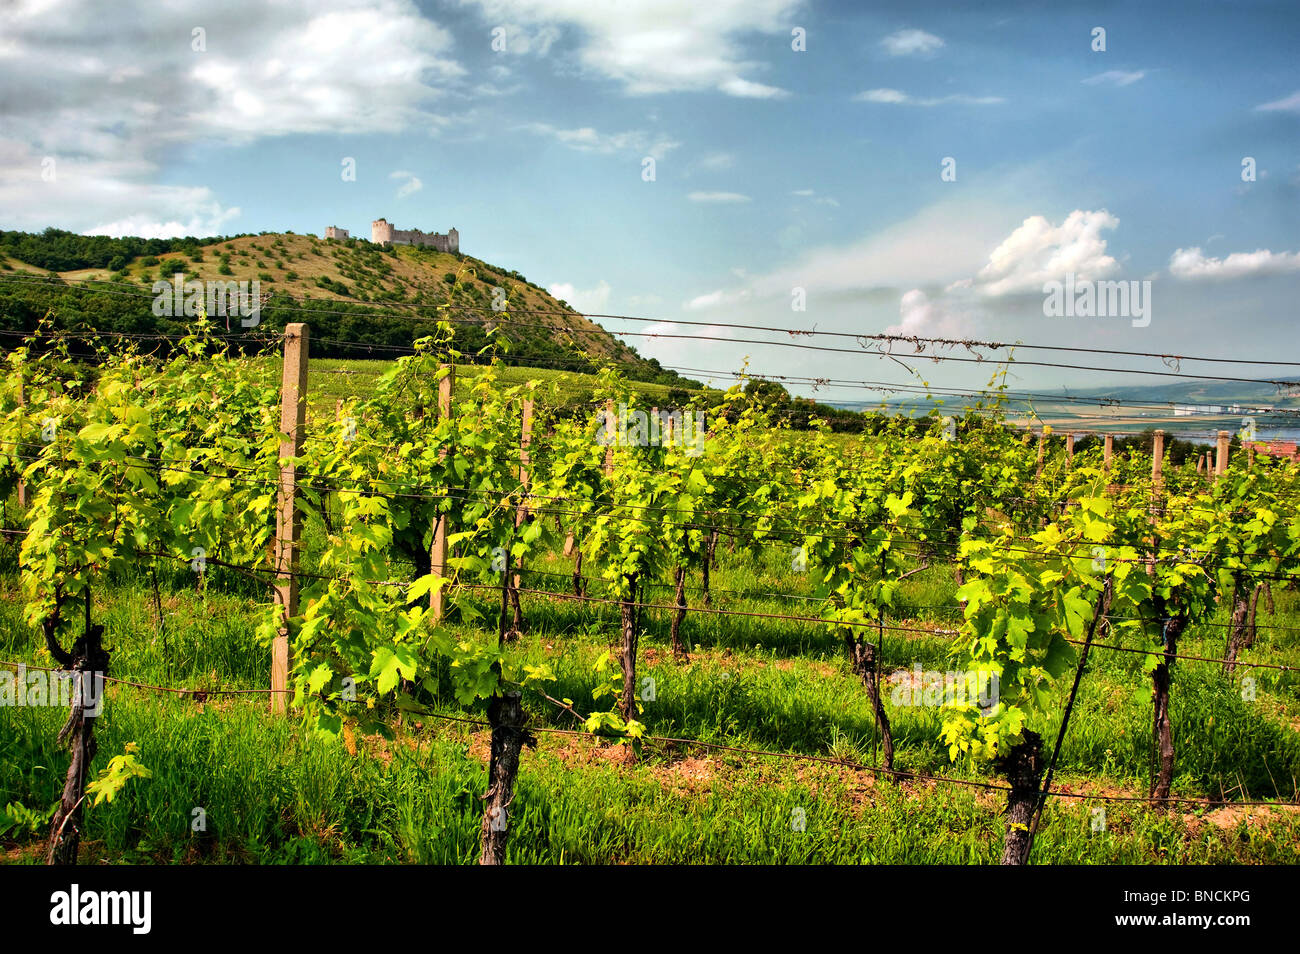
587 139
1191 263
940 244
882 96
1039 251
202 223
1115 78
1288 104
113 97
718 197
924 318
717 299
802 192
410 182
660 46
910 43
103 197
588 301
896 97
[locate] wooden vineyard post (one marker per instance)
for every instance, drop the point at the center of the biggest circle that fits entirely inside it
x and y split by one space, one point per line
288 523
1221 461
525 441
1042 447
1157 460
1109 451
1069 449
22 402
521 512
438 552
610 436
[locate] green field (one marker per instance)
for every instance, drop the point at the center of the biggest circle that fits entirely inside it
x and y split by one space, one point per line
273 794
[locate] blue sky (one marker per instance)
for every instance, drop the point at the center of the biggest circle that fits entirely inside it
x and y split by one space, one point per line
775 169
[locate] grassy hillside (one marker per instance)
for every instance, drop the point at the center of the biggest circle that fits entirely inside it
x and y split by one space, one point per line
360 299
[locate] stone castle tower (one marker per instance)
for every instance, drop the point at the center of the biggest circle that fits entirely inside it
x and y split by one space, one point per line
383 233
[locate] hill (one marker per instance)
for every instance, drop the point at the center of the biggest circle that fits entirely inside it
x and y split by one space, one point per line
360 299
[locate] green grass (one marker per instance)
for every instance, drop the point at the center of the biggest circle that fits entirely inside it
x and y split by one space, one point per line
273 794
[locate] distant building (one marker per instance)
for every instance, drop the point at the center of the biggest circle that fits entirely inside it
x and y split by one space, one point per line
335 232
383 233
1274 448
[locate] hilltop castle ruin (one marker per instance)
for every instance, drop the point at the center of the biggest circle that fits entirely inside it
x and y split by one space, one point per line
381 232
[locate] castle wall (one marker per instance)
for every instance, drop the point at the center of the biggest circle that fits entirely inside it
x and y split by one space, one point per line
382 232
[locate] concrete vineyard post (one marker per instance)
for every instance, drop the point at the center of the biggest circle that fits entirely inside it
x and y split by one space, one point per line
438 552
1221 461
288 524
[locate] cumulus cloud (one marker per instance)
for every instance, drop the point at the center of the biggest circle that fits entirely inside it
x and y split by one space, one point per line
588 301
1191 263
926 318
410 182
911 43
896 97
718 197
1115 78
1038 252
587 139
102 197
940 244
660 46
110 98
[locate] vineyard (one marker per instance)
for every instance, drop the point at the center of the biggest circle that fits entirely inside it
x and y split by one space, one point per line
489 622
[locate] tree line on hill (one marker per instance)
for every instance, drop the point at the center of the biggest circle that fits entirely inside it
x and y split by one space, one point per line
339 329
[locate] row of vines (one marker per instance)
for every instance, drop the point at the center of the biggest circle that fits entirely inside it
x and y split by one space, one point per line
133 460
